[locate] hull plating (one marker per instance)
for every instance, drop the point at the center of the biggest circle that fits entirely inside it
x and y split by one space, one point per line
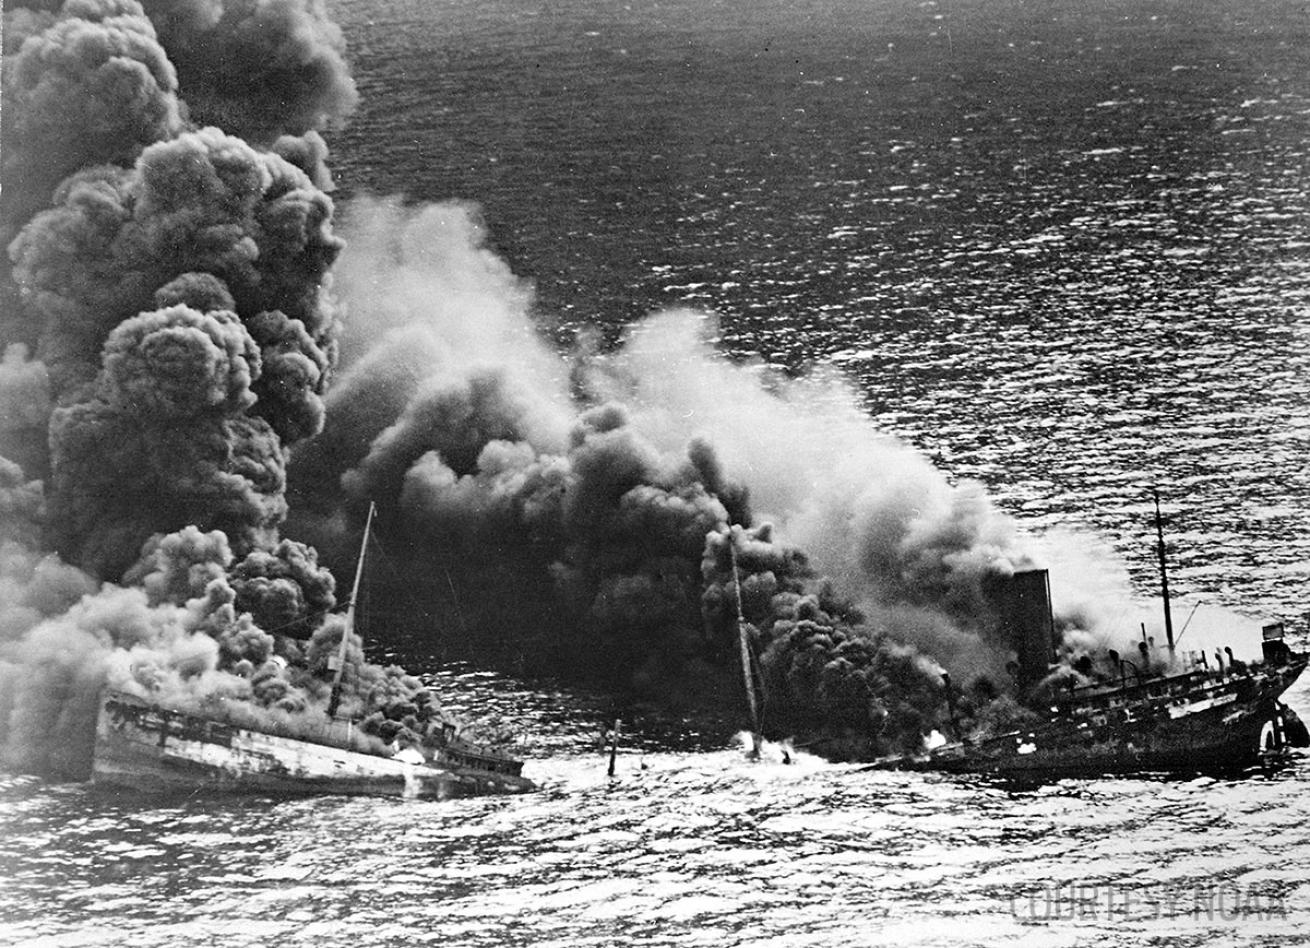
149 748
1217 728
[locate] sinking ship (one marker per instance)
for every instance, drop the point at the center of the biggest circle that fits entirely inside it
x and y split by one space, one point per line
1109 714
148 746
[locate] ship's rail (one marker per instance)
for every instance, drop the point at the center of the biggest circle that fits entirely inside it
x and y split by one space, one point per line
1154 694
463 754
1101 694
343 735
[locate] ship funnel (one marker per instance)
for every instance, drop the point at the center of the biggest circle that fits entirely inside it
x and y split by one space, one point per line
1023 602
1272 645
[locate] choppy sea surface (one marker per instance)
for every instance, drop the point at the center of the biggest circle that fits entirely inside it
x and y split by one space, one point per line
1059 247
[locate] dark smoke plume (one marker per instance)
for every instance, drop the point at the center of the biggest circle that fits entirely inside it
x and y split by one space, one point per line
170 335
25 405
201 219
573 515
829 679
257 68
85 86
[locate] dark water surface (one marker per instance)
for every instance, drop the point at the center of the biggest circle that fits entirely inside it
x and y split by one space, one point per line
697 849
1060 247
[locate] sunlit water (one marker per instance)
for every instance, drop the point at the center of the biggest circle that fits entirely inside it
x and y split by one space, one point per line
688 848
1058 247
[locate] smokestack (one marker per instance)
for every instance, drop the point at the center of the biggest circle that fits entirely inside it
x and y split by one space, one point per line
1024 603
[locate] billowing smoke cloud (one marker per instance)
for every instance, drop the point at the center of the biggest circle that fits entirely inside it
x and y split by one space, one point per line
177 635
257 68
89 85
437 331
575 514
584 529
174 282
828 677
25 405
202 219
187 338
92 83
171 330
910 550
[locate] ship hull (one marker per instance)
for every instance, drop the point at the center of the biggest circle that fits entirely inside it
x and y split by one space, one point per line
147 748
1217 740
1231 728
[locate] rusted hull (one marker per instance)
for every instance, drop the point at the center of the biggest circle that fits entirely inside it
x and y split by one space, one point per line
151 749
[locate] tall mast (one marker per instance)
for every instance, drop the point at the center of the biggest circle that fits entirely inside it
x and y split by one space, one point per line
1164 573
746 669
339 660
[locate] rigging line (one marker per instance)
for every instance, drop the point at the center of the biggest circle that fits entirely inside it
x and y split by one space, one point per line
317 613
1189 620
454 596
747 665
338 453
405 590
342 603
401 585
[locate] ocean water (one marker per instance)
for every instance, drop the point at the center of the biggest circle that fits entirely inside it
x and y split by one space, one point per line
695 849
1059 247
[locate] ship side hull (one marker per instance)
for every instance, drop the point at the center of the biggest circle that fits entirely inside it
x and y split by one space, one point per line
1230 727
1214 740
149 749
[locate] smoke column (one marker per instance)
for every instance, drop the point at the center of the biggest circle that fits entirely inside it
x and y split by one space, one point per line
168 334
201 384
574 513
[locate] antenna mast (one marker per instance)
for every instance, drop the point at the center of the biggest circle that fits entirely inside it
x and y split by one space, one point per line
746 666
1164 573
338 661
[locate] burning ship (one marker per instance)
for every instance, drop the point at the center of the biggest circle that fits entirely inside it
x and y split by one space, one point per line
1112 714
1200 718
147 746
